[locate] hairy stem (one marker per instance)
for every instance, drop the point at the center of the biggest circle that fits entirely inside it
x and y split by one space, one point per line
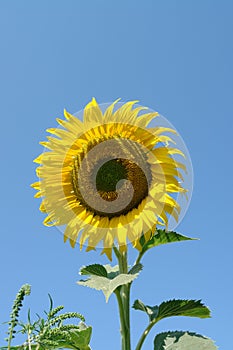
29 340
140 255
24 290
123 298
122 318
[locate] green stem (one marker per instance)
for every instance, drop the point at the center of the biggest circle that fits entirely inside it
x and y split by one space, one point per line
144 335
11 334
123 298
140 255
127 313
29 339
122 318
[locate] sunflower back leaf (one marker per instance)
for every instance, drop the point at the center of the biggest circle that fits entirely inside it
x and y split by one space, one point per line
179 340
110 283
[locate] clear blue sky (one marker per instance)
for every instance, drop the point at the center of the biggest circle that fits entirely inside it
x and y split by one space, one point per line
175 57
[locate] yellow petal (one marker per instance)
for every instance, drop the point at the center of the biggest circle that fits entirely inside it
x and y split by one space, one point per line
123 248
74 121
108 252
92 114
121 236
39 194
42 207
108 115
71 232
123 114
159 130
145 119
174 188
49 221
36 185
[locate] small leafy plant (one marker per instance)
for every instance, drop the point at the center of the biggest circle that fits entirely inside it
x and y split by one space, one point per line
48 333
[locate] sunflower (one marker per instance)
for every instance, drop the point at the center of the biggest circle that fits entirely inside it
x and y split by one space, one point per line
109 178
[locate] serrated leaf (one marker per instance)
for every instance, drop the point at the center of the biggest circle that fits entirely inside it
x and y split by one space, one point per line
95 269
136 269
179 307
107 285
180 340
110 283
162 237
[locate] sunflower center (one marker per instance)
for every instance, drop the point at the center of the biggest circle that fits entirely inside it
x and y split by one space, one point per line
112 177
109 174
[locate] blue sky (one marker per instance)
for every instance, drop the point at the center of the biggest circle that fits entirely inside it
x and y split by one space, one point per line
175 57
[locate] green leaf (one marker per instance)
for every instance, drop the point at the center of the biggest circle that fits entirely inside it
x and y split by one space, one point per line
80 338
108 284
136 269
95 269
112 271
152 311
180 340
179 307
50 302
162 237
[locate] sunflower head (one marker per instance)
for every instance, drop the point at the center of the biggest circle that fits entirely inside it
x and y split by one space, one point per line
109 178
